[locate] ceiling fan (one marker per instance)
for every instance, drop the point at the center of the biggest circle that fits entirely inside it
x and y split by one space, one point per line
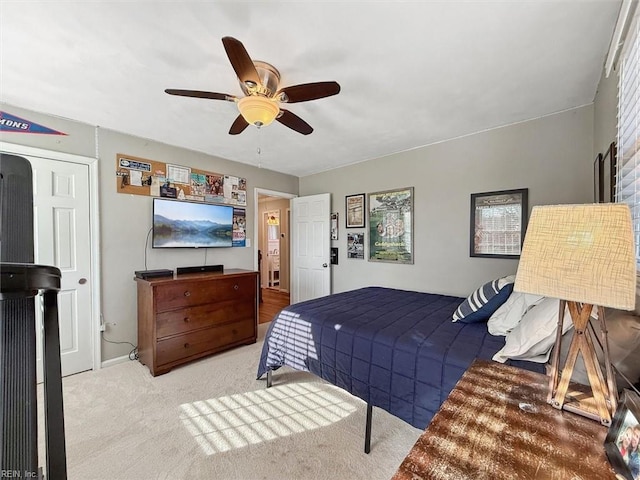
260 83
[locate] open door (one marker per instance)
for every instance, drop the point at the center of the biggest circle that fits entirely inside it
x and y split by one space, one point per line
310 272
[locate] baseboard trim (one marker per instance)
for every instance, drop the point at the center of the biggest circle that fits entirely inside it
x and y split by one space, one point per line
115 361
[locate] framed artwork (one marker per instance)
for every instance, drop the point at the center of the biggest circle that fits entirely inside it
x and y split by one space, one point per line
498 223
621 443
598 186
605 175
334 226
355 245
355 210
391 226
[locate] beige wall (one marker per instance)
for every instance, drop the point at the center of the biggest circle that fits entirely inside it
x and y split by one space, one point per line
605 113
125 219
551 156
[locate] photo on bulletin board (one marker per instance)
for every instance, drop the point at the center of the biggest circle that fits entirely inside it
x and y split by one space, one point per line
168 191
213 190
178 174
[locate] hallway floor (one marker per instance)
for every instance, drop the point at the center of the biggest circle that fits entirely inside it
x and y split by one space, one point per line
272 302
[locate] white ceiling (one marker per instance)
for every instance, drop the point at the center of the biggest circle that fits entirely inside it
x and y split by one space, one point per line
412 73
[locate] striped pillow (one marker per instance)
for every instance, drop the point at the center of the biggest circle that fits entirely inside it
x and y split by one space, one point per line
481 304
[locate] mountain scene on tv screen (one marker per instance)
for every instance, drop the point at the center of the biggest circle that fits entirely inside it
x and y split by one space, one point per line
190 233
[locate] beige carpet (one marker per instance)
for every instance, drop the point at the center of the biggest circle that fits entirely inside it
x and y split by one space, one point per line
212 420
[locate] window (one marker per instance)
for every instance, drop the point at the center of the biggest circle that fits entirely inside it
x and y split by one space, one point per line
628 170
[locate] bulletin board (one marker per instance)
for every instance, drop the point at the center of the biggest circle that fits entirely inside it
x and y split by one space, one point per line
140 176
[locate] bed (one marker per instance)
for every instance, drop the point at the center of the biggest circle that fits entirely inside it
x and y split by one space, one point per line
395 349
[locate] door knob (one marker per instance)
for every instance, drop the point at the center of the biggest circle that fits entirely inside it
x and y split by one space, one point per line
82 281
325 265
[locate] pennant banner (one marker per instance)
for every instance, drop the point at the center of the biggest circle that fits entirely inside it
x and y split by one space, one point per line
11 123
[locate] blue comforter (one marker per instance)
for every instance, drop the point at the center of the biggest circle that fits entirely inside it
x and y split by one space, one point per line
395 349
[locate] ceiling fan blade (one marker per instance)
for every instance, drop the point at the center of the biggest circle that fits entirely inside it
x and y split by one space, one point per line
241 61
309 91
238 125
294 122
201 94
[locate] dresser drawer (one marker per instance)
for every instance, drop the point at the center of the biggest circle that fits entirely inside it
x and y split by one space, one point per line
202 341
186 294
236 288
183 294
192 318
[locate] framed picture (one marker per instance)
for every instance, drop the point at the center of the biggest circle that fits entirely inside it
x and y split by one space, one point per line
498 223
334 226
605 178
621 443
598 186
391 226
355 245
355 210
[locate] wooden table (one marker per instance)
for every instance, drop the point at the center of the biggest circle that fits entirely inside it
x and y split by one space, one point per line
496 424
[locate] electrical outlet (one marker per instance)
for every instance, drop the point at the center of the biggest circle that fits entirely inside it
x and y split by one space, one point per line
105 325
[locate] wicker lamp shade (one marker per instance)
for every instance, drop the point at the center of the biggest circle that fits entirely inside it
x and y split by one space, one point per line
582 253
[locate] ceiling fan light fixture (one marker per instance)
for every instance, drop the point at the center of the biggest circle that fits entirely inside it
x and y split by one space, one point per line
257 110
260 82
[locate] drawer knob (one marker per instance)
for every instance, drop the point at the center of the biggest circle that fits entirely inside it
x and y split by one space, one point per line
186 319
187 293
235 287
186 345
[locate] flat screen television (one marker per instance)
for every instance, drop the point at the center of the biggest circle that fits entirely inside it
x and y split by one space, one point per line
179 224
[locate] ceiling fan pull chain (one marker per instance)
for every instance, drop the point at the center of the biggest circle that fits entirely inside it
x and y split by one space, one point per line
258 151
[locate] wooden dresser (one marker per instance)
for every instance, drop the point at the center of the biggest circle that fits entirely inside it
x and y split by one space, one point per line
194 315
497 425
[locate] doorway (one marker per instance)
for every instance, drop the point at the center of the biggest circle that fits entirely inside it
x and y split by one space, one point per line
273 251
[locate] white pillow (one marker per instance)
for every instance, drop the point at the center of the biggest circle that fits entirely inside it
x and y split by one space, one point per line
509 314
506 280
534 336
